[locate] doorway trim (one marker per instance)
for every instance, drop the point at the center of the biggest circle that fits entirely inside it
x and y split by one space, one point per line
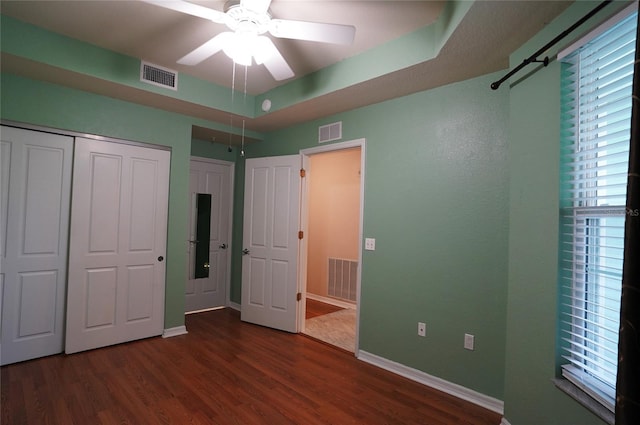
232 172
304 213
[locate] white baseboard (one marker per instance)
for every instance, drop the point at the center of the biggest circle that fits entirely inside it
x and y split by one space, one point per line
171 332
455 390
204 310
234 306
329 300
504 422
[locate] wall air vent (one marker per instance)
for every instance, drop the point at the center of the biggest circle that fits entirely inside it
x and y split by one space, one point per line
342 278
329 132
158 76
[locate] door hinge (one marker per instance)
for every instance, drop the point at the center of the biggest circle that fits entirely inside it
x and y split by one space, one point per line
300 234
299 296
303 173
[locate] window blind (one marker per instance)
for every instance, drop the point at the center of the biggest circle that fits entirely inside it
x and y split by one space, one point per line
596 106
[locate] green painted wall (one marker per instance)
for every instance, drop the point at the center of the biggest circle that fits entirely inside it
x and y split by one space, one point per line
43 104
461 194
436 201
410 49
208 149
33 43
532 305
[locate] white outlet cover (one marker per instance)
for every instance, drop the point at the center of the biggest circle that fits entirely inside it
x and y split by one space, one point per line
422 329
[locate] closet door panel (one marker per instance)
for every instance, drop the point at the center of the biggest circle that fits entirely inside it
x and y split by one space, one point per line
117 244
36 187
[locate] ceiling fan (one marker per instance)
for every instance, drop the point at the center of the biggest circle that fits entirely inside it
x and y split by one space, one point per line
248 21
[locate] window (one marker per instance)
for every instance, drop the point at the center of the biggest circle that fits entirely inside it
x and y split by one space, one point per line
596 106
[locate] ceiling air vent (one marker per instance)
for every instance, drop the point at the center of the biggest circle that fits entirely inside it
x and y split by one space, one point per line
158 76
329 132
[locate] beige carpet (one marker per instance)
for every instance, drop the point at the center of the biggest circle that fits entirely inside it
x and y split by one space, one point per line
338 328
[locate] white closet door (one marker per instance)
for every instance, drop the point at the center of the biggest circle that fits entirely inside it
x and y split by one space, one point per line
34 219
117 244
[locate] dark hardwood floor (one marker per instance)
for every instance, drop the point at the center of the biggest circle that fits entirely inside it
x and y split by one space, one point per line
318 308
223 371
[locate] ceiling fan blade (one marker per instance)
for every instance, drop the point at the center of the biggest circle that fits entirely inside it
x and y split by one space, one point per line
191 9
312 31
207 50
259 6
268 55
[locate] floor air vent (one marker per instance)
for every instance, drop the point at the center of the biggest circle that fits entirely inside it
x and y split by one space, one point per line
158 76
329 132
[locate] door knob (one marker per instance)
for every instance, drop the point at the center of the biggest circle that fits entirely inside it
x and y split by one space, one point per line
160 258
223 246
245 251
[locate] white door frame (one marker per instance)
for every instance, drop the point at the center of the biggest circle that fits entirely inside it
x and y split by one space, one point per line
232 170
304 213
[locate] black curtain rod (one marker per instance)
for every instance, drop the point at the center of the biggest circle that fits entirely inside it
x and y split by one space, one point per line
534 57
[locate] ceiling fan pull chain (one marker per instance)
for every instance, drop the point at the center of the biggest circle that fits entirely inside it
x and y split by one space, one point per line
242 142
244 103
233 84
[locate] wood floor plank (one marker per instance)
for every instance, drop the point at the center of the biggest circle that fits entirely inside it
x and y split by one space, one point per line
226 372
318 308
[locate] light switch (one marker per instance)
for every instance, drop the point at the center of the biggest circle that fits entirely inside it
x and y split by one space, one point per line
469 342
370 244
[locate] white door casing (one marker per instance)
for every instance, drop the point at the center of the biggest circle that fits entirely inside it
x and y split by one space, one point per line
306 153
214 178
270 240
34 219
117 244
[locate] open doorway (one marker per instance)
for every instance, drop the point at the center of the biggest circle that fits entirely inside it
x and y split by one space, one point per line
332 217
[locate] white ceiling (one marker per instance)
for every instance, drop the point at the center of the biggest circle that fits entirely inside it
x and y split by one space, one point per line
163 36
482 43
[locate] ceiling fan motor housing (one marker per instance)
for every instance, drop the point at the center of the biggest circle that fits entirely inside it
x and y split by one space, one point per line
244 19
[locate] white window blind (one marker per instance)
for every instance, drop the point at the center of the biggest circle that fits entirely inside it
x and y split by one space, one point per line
596 94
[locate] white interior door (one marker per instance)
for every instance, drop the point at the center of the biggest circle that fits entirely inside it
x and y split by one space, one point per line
36 185
215 179
270 242
117 244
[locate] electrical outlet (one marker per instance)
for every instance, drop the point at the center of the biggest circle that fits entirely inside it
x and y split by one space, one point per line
469 342
422 329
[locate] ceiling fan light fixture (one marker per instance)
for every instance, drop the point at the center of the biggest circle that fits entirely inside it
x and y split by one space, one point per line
262 49
241 47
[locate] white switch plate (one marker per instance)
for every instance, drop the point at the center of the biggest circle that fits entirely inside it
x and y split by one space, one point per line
370 244
469 341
